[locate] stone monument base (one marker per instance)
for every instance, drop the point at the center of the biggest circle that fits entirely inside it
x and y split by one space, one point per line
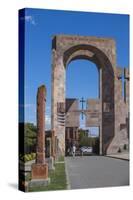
39 171
38 182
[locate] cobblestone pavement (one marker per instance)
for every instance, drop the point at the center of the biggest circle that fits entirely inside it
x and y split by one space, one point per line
96 171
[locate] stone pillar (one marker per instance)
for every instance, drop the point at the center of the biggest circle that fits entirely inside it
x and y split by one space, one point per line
39 172
53 144
50 159
58 98
56 145
49 146
73 130
41 100
100 110
77 134
68 134
126 86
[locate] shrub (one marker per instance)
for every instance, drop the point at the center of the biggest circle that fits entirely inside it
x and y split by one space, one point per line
33 155
27 157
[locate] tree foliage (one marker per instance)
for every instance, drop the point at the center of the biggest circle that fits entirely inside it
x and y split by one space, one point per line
30 137
93 142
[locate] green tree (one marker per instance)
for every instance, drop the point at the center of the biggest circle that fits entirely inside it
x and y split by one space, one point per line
84 140
81 134
30 138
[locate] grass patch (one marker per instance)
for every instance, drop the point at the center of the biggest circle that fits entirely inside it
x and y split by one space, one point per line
61 159
57 179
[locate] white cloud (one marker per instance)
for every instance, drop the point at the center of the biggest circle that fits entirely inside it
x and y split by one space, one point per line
48 121
48 110
30 19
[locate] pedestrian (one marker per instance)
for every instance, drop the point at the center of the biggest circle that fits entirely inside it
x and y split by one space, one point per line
68 151
73 150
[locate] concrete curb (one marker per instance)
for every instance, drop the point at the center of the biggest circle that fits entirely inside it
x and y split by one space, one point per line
67 177
126 159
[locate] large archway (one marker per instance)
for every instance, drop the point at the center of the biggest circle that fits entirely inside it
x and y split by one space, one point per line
101 51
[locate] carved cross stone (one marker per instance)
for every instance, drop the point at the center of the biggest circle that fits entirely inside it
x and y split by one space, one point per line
53 144
39 173
82 101
41 100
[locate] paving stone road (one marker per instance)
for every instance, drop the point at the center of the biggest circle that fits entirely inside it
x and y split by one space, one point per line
96 171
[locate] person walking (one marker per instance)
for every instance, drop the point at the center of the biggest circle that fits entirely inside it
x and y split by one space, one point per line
73 150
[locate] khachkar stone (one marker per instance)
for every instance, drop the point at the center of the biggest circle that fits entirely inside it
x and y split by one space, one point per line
53 153
39 173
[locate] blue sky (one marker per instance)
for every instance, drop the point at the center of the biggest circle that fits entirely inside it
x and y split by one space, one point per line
41 25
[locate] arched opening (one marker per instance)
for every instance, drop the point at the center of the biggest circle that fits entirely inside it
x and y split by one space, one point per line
82 84
82 79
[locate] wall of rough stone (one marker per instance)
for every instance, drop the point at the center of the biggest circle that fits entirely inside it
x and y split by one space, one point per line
121 137
72 114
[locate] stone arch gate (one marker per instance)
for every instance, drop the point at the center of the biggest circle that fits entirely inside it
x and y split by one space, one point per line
102 52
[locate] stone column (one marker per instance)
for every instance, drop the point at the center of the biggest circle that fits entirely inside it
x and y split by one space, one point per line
50 159
53 144
56 146
41 100
49 146
126 86
77 134
100 117
58 97
73 133
39 172
67 133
